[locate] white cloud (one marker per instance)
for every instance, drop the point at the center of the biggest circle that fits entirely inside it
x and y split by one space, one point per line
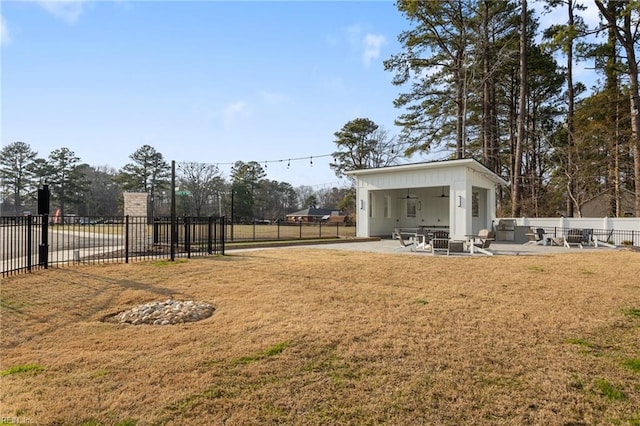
372 44
273 98
233 111
4 32
67 10
366 44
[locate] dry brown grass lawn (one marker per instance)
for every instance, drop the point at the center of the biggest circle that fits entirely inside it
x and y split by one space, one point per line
304 336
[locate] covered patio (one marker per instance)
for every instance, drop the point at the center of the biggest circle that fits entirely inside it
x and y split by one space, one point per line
458 196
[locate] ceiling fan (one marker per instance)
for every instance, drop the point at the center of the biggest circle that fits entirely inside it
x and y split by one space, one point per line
443 195
408 196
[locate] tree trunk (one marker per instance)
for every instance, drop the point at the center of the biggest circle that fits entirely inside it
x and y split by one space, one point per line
625 36
516 204
635 141
635 109
460 95
613 93
570 111
488 131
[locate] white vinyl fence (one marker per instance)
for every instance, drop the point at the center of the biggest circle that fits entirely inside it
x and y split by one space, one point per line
616 230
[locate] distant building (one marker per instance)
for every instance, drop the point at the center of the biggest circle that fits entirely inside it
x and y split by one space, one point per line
313 214
600 205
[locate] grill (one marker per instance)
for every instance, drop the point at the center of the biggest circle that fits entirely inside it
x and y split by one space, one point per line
505 231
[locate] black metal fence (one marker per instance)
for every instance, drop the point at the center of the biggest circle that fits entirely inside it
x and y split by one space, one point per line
35 242
278 231
29 243
620 237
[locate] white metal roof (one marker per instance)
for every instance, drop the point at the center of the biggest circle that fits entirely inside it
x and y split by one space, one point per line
466 162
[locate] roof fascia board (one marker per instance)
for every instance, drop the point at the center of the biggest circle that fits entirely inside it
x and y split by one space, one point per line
465 162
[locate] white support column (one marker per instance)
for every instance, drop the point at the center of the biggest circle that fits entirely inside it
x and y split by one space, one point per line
460 210
362 207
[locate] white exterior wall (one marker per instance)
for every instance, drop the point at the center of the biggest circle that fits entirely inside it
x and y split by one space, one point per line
425 185
602 223
396 186
619 223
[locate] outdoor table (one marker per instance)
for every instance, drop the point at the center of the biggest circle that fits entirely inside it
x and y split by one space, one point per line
457 246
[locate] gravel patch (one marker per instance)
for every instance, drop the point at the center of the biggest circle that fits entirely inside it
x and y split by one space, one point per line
164 313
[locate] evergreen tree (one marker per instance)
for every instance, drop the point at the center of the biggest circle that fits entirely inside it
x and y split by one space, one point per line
622 17
16 172
438 61
66 178
245 179
148 173
362 144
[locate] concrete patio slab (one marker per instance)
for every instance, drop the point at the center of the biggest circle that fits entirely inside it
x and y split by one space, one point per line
498 248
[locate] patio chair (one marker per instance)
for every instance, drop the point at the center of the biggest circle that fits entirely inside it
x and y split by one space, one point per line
587 237
421 240
485 237
573 238
440 242
482 242
403 243
597 242
541 238
538 238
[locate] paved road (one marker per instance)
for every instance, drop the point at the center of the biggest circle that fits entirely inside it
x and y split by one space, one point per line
63 245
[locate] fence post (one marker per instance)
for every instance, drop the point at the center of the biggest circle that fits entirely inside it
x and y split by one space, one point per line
337 229
209 236
278 228
29 244
187 237
126 239
300 231
223 233
218 233
320 230
156 230
44 195
44 243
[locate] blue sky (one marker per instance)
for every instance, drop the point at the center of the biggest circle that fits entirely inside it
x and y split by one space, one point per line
212 82
204 81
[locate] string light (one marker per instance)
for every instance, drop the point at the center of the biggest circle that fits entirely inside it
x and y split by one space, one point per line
289 160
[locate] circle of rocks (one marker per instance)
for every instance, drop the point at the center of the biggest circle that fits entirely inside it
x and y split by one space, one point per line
165 313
